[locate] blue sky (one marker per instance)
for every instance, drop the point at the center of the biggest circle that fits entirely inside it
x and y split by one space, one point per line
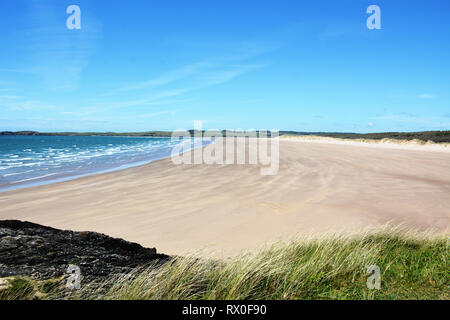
288 65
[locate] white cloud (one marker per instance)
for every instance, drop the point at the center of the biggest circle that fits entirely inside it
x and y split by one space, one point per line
426 96
417 96
424 121
19 104
168 77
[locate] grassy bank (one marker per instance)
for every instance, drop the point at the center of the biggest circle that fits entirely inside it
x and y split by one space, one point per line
413 266
421 137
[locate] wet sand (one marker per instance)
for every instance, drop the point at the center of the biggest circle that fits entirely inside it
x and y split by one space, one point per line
321 187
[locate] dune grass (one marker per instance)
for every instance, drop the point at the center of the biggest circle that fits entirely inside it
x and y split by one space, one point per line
422 137
396 141
24 288
413 266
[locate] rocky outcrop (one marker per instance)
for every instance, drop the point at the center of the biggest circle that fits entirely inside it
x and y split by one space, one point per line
40 252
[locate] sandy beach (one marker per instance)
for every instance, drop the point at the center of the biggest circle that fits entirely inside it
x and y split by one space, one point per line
321 187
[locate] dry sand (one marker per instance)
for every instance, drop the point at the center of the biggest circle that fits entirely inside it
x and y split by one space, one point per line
321 187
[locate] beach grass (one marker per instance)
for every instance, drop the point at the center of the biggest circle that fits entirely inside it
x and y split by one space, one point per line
421 137
413 265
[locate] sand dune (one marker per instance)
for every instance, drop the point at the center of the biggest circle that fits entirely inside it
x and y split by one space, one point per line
319 188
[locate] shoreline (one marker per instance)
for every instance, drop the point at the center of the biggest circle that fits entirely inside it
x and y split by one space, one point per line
222 210
75 177
384 143
18 185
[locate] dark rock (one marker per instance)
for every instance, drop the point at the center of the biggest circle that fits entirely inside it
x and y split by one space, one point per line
29 249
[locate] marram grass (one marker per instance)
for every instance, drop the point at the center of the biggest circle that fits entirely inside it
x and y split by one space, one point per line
413 266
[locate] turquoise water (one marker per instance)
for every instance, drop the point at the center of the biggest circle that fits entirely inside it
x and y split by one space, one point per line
33 160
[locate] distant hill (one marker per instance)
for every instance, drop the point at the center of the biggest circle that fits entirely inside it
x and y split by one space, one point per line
435 136
36 133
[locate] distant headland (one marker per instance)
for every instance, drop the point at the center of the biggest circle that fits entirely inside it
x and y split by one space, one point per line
434 136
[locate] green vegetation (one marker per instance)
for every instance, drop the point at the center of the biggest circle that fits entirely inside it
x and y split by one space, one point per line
24 288
413 266
132 134
424 136
17 288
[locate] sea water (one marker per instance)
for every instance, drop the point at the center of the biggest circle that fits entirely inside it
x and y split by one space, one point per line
34 160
